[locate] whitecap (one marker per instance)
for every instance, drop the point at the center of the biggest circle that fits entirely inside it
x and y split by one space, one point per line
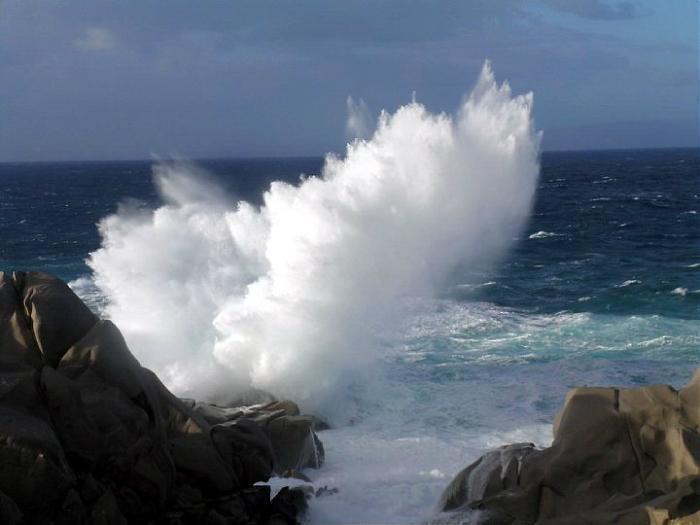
627 283
544 235
470 287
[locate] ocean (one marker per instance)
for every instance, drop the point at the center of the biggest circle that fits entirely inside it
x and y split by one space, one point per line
600 285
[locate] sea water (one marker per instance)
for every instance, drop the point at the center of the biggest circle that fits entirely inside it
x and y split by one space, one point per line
599 284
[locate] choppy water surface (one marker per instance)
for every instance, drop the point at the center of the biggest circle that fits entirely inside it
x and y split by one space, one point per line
603 287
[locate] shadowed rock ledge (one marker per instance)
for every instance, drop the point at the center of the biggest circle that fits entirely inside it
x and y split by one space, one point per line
87 435
619 456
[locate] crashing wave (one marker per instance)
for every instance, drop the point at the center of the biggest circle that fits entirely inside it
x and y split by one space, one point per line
288 297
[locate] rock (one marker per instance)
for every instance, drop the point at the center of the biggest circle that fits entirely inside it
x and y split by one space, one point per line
295 475
494 471
256 500
9 512
72 510
19 354
54 329
290 408
619 456
232 506
106 511
35 473
243 444
214 518
87 435
90 489
294 443
289 503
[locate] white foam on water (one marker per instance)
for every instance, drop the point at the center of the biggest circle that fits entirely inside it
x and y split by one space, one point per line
544 235
441 411
629 282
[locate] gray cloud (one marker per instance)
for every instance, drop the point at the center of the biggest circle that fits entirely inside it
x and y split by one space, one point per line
242 78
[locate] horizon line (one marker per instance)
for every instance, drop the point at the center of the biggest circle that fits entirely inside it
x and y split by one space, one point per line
319 156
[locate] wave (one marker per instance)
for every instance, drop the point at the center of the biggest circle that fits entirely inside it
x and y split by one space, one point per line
629 282
217 295
544 235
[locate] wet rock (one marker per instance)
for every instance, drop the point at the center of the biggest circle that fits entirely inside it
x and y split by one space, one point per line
87 435
619 456
294 443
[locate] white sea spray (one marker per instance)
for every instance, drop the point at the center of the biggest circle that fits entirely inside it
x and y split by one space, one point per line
218 296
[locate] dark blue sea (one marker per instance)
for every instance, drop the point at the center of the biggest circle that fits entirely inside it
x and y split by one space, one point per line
602 287
613 232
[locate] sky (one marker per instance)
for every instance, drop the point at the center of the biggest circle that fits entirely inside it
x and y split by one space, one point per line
133 79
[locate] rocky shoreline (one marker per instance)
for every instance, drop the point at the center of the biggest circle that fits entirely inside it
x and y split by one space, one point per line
619 457
87 435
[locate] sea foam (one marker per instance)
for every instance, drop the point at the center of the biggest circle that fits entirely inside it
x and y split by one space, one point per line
218 296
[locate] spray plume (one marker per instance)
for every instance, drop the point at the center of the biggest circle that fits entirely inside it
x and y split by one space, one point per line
218 297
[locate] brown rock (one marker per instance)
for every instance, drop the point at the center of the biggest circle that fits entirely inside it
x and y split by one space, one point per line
19 350
58 317
619 456
87 435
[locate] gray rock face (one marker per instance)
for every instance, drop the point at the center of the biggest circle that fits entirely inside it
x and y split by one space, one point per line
619 456
87 435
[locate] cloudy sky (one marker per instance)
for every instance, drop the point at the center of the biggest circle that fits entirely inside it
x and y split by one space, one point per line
93 79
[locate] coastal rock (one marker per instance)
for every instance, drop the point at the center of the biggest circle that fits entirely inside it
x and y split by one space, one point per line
295 445
619 456
87 435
